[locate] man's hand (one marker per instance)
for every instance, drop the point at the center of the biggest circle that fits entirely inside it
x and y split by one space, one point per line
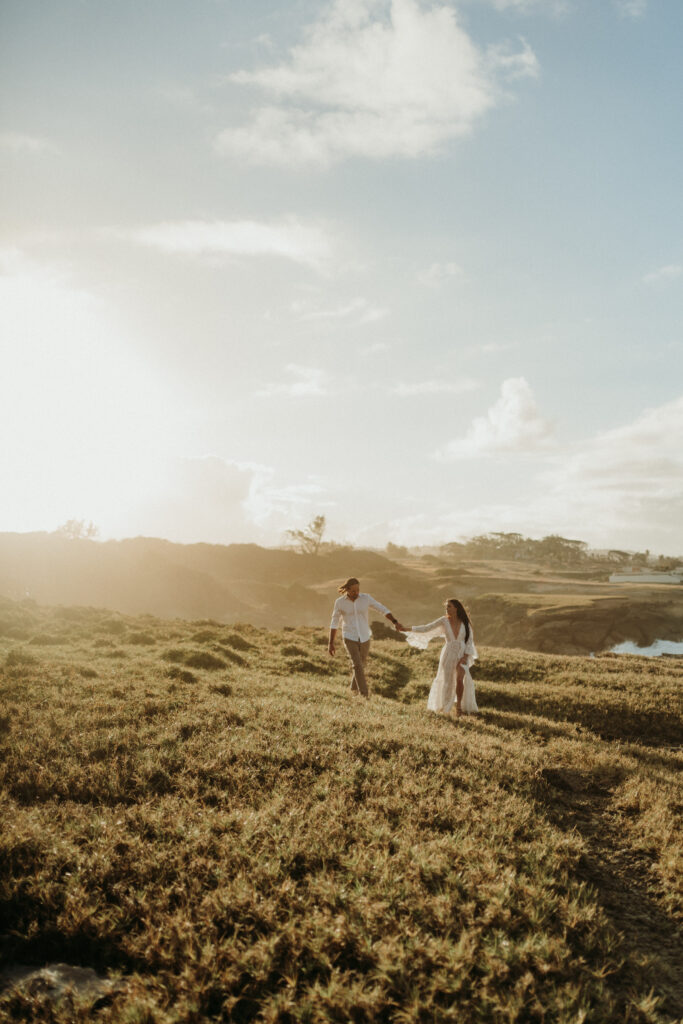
400 628
332 650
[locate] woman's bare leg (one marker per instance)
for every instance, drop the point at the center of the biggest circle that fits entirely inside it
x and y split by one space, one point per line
459 690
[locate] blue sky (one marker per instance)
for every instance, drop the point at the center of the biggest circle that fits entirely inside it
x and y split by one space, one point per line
416 266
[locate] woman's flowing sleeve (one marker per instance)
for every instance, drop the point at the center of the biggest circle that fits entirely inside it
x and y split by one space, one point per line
420 636
470 650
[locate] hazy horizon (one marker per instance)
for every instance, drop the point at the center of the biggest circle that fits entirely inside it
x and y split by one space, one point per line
81 530
412 265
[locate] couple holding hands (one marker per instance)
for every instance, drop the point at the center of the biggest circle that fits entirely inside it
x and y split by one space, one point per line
453 683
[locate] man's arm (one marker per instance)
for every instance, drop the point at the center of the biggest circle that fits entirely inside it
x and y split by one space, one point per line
334 624
395 623
385 612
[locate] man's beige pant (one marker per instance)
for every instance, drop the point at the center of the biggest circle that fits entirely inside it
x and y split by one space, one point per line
358 653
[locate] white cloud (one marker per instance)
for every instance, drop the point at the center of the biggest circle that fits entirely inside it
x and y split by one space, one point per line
276 507
623 487
631 8
304 382
490 348
513 424
373 79
529 6
641 460
358 309
620 488
407 389
377 348
196 499
15 142
181 98
288 239
513 64
222 501
435 275
670 272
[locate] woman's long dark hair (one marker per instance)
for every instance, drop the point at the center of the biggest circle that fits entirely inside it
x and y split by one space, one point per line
462 615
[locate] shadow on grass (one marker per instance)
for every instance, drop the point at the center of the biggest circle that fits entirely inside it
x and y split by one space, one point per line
535 724
573 799
654 756
389 676
606 720
30 937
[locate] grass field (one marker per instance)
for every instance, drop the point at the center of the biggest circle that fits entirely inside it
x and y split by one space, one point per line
202 812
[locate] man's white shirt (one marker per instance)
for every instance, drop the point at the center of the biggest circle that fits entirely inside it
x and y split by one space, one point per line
354 616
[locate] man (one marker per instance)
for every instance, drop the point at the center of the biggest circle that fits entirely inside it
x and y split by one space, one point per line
352 608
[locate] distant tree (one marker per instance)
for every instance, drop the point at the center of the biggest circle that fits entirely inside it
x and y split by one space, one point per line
309 540
508 545
495 545
481 546
561 551
452 549
78 529
396 550
615 555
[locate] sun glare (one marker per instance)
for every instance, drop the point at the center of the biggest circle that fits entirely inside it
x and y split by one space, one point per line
81 412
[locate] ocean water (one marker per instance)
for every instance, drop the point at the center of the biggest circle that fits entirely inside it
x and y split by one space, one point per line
656 649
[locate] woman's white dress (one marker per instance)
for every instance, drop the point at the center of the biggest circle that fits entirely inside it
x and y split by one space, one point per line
442 693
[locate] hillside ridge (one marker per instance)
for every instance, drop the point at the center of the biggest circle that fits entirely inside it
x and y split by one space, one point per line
512 605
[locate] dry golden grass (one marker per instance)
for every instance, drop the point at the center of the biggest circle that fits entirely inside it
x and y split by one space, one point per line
202 811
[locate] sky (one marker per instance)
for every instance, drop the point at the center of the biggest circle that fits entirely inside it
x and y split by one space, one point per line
413 265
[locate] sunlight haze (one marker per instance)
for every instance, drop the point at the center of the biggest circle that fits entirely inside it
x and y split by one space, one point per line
415 266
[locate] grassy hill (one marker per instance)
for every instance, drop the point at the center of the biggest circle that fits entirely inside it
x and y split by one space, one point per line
513 604
202 812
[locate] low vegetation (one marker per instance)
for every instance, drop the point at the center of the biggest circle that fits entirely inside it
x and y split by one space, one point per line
529 594
236 839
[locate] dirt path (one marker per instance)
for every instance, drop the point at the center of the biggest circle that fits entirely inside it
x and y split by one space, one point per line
621 877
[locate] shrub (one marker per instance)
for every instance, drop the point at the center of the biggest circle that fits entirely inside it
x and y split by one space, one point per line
223 689
205 636
113 626
238 642
141 639
305 665
231 655
18 658
195 659
183 674
47 640
175 654
204 659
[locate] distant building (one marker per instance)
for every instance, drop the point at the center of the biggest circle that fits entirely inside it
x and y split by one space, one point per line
638 575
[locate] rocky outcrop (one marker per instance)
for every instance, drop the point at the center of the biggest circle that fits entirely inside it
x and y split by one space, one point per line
581 628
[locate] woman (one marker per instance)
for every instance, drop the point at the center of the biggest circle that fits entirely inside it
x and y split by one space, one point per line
453 682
